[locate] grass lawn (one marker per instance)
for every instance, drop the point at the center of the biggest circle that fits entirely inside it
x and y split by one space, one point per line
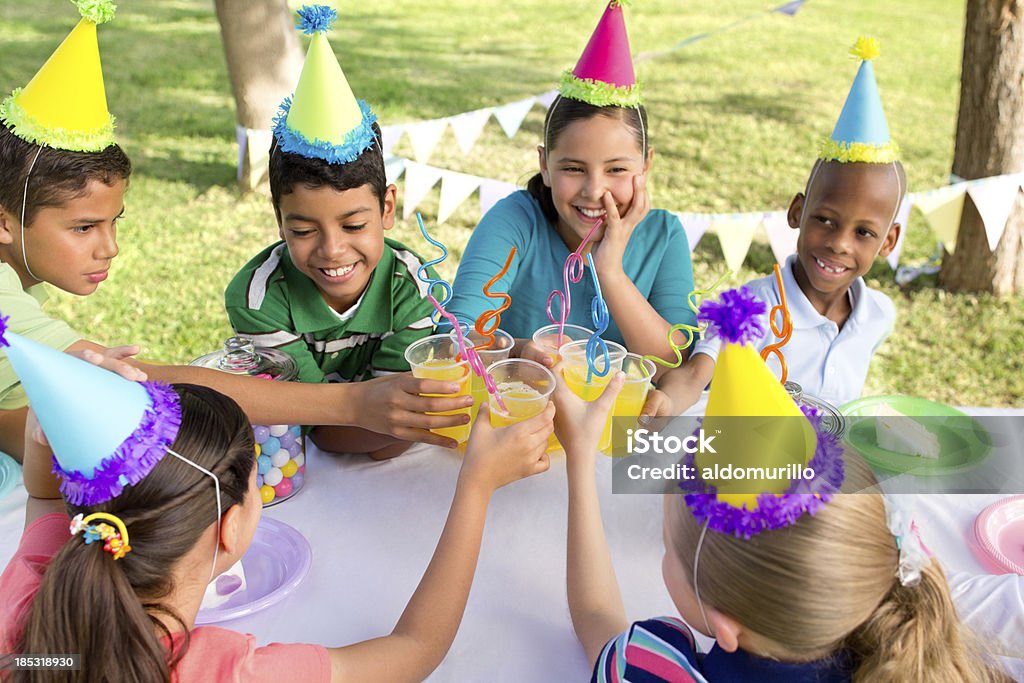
735 122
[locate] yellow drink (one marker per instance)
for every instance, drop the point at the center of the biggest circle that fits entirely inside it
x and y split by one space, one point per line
576 379
630 401
576 370
447 370
522 402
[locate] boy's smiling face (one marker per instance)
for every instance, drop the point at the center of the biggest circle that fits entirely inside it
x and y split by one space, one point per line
70 246
844 224
336 238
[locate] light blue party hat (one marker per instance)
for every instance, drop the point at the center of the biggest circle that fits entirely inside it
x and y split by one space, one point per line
862 133
106 432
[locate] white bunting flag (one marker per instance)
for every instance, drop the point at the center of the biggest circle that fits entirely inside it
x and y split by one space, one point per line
994 199
735 233
902 216
419 180
468 127
942 209
492 191
455 189
694 225
547 98
781 237
424 137
393 169
390 135
511 115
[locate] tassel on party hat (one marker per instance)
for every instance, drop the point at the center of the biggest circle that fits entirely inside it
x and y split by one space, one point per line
604 74
760 431
323 119
64 106
106 432
862 132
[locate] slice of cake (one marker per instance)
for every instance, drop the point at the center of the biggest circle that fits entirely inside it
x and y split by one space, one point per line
896 432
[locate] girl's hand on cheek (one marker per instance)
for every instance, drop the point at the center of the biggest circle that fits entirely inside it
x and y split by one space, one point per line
618 229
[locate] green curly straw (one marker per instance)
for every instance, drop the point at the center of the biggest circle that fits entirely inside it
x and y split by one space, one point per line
690 330
96 11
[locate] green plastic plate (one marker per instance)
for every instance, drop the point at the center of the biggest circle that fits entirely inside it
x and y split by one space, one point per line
963 441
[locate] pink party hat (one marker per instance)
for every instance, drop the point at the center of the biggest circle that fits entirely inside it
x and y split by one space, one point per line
604 73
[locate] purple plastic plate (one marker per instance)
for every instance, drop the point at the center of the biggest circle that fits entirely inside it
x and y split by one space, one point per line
276 562
1000 532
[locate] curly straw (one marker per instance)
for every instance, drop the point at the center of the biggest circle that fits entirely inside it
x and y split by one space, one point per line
783 333
495 313
470 354
573 272
599 316
690 330
424 276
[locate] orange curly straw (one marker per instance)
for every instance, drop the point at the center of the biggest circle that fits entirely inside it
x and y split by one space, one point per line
495 313
787 328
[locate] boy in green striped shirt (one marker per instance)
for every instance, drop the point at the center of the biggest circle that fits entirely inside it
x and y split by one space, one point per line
334 294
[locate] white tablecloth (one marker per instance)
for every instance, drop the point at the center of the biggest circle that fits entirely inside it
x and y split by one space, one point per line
373 527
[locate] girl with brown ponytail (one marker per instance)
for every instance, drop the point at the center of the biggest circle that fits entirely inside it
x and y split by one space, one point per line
172 507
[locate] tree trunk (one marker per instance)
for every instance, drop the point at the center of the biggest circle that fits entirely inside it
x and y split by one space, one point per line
264 61
990 141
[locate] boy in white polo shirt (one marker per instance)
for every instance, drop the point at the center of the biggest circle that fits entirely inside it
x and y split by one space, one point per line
846 217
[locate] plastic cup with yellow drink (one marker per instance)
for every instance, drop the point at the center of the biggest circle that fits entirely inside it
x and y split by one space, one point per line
437 357
548 340
589 385
629 403
499 350
525 388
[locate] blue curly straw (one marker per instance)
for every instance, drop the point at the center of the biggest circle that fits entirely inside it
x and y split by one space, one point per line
599 315
424 277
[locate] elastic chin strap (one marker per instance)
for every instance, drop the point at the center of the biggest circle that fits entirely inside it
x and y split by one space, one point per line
639 117
696 586
216 485
24 201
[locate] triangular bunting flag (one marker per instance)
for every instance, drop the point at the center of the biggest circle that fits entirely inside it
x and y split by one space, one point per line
547 98
735 234
942 209
492 191
390 135
455 189
511 115
902 216
394 167
694 225
994 199
419 180
790 8
424 137
781 237
467 127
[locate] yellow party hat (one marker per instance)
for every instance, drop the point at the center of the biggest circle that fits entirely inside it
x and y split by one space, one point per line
323 119
770 464
64 106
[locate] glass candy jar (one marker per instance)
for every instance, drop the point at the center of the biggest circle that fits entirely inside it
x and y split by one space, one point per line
280 448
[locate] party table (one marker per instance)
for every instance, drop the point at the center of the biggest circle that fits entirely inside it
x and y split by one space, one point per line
373 527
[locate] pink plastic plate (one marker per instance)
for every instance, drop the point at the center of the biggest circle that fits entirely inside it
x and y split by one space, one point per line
276 562
1000 532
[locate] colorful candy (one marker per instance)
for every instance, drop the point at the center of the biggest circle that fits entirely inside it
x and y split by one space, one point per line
280 461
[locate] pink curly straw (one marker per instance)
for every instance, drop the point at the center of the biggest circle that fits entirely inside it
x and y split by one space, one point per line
470 354
573 271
